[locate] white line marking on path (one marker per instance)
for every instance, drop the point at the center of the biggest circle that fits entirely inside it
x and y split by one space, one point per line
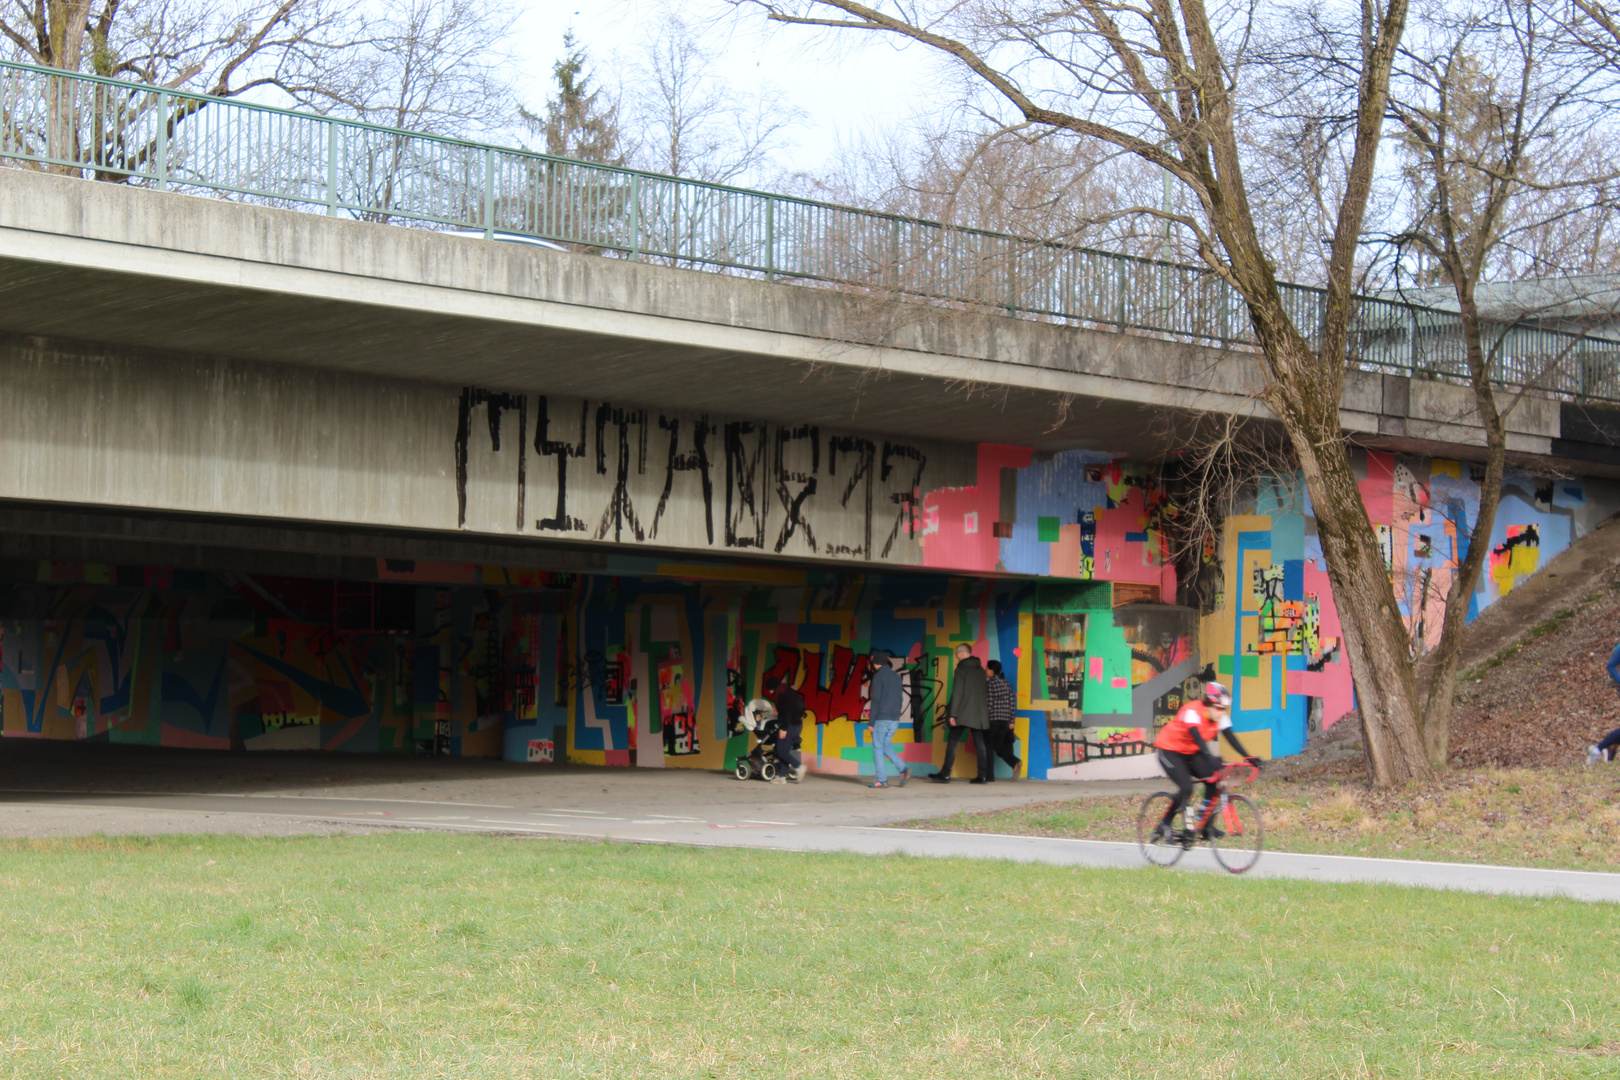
251 795
534 827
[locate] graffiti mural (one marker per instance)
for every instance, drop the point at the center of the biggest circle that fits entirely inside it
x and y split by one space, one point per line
1273 630
647 663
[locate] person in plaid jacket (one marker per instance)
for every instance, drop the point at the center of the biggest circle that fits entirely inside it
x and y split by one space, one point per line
1002 715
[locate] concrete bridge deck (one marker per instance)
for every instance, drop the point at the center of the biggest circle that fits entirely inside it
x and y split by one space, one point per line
134 268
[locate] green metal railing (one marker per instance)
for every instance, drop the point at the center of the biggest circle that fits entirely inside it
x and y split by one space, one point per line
177 141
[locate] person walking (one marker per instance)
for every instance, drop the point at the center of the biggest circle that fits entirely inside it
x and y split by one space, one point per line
790 714
1604 749
1003 713
884 712
968 714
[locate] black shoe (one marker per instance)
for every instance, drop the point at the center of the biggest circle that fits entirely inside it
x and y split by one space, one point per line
940 778
978 780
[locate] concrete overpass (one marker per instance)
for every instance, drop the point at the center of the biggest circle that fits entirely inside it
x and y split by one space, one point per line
229 359
507 486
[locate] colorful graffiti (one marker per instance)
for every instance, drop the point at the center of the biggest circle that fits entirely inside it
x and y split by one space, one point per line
1274 630
648 663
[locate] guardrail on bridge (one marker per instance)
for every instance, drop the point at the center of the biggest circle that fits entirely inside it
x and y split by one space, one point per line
179 141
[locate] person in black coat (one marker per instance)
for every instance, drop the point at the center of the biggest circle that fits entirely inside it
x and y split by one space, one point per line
790 715
968 714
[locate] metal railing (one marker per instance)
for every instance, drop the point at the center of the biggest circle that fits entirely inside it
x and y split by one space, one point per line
178 141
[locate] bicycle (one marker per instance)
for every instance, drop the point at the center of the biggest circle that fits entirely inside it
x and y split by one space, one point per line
1230 823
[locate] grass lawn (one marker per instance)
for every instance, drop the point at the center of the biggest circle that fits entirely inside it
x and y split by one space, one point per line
1566 818
424 955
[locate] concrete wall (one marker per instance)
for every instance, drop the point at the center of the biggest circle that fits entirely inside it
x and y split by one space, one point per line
106 427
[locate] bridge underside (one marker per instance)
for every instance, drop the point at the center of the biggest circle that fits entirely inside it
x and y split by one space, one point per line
165 630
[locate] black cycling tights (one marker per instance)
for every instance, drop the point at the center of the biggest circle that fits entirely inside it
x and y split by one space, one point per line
1184 770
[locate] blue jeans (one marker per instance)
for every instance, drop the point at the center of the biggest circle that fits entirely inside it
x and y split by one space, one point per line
883 750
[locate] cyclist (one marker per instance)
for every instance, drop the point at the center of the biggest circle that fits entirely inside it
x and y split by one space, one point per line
1186 750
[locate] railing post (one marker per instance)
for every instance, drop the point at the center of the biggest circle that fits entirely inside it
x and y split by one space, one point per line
635 217
1012 280
770 238
1412 336
1119 284
894 253
489 193
163 140
331 168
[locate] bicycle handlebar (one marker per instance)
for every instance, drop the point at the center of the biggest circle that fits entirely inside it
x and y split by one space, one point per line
1225 771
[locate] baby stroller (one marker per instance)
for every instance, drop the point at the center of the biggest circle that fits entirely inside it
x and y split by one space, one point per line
759 717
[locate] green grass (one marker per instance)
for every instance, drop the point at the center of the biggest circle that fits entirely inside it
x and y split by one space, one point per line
1555 818
404 955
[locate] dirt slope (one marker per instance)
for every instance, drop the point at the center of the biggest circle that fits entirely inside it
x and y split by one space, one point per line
1535 689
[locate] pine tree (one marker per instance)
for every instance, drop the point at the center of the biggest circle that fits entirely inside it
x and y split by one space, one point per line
579 123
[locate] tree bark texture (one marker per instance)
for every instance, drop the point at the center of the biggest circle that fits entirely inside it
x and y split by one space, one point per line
1305 396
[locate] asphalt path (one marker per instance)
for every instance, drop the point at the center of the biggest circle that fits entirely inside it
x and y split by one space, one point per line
772 818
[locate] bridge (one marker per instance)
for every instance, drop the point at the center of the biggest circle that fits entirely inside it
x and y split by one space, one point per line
288 479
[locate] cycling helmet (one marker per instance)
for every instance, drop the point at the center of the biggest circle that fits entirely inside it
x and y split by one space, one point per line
1217 696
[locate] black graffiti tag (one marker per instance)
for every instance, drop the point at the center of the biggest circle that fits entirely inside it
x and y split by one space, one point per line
865 455
496 405
745 466
793 501
620 512
696 460
906 498
563 451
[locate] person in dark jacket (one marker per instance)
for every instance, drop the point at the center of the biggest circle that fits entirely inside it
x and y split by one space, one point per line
968 712
884 712
1003 713
790 714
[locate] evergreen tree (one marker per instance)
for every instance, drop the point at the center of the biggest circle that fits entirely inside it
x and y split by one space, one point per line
579 122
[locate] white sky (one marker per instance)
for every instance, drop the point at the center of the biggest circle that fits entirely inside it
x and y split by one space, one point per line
849 84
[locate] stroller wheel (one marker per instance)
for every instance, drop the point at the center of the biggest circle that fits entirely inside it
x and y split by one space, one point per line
744 770
767 771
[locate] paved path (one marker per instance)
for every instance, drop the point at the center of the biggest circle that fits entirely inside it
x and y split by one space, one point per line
804 823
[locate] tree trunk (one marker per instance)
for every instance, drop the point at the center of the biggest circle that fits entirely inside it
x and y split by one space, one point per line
64 40
1443 663
1305 394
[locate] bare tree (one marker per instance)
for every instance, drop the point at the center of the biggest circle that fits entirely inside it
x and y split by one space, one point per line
689 122
223 49
1166 83
435 66
1483 96
1036 183
294 46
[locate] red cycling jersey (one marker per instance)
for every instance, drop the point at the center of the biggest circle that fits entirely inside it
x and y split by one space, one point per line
1177 734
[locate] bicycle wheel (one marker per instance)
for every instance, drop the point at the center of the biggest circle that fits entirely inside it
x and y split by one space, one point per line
1158 849
1236 834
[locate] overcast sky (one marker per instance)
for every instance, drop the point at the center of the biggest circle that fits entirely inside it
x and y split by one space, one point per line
849 84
